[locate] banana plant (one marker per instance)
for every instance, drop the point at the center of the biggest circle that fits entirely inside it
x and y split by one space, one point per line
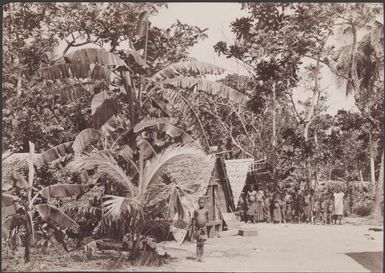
19 207
105 77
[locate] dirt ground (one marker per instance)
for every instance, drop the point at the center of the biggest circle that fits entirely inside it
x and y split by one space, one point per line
350 247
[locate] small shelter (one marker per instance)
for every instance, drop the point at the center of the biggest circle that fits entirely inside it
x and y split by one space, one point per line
199 178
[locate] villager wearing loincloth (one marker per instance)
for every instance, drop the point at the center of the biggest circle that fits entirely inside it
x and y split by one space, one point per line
199 224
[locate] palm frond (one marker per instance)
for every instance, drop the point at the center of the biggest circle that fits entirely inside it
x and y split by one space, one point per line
78 211
115 206
158 192
106 164
209 87
192 68
126 153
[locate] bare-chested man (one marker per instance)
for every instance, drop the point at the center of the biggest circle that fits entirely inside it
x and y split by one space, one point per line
199 222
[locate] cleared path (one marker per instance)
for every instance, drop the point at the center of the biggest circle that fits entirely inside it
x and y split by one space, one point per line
285 247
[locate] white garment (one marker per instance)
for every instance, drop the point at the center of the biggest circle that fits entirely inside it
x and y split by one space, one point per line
339 203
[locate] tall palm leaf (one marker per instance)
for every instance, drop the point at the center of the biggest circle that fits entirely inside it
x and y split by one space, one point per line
157 165
106 164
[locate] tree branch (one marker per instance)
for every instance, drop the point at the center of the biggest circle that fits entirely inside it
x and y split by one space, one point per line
229 131
300 119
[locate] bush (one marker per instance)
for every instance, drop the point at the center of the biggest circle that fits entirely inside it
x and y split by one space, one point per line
362 208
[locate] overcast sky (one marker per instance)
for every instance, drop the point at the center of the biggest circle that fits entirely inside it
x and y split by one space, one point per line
217 18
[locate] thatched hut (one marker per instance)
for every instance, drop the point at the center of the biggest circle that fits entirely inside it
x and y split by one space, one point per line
203 178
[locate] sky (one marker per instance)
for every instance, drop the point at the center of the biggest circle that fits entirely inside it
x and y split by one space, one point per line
217 17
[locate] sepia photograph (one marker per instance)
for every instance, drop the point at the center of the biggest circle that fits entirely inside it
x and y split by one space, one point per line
192 137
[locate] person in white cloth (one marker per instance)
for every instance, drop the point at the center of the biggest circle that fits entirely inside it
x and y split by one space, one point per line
338 204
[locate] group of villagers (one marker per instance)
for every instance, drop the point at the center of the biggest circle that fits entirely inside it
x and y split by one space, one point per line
295 205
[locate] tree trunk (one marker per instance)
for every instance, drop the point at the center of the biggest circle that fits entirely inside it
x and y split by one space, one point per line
316 167
131 96
378 202
27 247
274 140
372 166
361 180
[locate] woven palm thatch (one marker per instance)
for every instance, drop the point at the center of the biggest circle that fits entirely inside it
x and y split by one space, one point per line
192 176
237 170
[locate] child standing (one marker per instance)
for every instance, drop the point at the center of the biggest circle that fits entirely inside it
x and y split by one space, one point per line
289 208
315 210
267 206
259 205
199 222
277 215
241 207
331 214
307 207
251 204
323 210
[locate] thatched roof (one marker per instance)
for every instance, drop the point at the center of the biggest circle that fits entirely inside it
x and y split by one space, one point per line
237 170
193 174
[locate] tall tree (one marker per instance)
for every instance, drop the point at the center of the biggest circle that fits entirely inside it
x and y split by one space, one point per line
261 46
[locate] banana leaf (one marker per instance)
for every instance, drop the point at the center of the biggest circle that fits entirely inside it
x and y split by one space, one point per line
150 123
94 55
190 67
85 138
19 180
104 112
63 190
209 87
51 214
54 153
8 199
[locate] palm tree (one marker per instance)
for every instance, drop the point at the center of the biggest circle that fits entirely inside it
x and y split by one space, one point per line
361 65
144 194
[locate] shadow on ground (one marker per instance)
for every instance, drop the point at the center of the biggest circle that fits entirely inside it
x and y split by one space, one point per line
372 261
